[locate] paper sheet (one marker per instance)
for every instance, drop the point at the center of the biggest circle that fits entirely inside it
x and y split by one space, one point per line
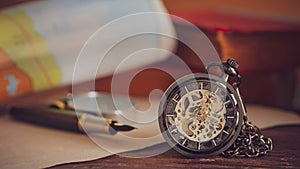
24 145
265 117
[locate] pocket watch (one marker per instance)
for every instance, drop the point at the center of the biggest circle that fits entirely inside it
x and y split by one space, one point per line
203 115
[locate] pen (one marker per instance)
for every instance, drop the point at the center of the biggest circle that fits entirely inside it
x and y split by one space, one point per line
67 120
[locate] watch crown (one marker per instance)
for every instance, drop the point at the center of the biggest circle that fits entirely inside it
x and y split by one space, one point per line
232 63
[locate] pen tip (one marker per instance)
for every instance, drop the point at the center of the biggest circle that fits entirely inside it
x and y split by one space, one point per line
121 127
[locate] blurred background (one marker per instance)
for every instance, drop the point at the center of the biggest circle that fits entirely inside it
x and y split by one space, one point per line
263 36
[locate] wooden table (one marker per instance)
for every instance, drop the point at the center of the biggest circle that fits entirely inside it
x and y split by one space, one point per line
286 154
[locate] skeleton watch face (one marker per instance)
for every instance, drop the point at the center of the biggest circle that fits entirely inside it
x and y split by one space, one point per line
200 116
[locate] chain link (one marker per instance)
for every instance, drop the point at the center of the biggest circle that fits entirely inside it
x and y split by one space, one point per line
249 143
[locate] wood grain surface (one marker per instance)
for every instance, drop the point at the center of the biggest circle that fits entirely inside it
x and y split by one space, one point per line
284 155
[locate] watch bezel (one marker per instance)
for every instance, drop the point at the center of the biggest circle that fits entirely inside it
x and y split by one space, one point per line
162 115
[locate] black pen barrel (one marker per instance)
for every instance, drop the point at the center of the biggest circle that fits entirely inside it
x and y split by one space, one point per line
48 117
